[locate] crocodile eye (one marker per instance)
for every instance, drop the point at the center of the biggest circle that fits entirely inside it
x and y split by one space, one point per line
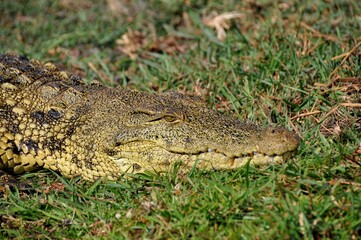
170 118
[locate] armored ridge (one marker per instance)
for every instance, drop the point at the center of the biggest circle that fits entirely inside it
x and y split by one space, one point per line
52 119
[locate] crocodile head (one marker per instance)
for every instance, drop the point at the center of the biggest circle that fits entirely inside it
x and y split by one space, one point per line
162 129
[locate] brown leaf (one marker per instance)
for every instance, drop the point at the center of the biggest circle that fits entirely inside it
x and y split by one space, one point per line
131 43
220 22
117 8
169 44
75 5
100 228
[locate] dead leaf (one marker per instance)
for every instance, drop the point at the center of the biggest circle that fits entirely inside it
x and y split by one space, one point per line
129 213
117 8
135 44
169 44
54 187
131 43
76 5
220 22
336 121
100 228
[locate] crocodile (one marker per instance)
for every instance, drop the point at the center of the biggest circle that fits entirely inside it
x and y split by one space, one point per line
52 119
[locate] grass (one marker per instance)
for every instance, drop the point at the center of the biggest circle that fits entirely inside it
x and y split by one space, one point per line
295 64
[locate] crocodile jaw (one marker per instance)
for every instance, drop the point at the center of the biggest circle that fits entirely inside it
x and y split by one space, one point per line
140 161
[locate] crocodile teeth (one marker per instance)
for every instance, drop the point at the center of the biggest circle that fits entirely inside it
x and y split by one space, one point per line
258 159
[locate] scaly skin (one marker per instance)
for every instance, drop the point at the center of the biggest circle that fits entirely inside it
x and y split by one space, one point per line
51 119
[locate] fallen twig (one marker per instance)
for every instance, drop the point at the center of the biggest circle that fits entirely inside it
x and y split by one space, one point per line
305 114
346 56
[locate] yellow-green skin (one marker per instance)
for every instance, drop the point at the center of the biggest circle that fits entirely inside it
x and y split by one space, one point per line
52 119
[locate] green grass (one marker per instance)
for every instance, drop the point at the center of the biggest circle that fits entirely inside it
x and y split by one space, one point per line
281 60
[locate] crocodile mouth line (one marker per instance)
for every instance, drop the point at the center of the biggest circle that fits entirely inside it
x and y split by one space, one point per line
210 159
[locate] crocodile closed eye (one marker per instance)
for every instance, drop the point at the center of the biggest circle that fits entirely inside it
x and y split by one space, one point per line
170 118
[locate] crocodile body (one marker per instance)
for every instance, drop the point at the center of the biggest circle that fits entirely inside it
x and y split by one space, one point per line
52 119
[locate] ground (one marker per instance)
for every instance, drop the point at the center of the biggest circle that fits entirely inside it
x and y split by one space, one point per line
285 62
